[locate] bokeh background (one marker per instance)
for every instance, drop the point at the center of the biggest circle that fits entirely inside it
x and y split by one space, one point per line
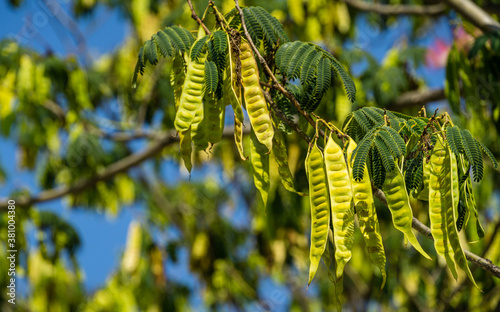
153 237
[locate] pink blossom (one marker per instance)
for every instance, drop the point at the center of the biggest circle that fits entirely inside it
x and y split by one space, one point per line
437 54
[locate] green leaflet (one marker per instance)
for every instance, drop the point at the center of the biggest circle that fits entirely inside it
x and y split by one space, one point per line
320 206
439 178
259 159
281 157
342 208
399 204
367 216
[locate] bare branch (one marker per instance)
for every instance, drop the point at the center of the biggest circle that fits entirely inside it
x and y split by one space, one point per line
418 98
196 18
485 264
401 9
474 14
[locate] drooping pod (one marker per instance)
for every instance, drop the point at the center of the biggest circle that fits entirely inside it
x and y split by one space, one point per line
367 216
198 130
132 253
231 97
437 205
254 98
186 148
214 119
177 76
281 157
341 200
192 93
259 159
320 206
399 204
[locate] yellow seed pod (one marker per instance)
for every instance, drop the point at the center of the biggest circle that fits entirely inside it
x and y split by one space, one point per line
367 216
320 207
192 93
132 253
214 119
186 148
341 203
260 166
254 98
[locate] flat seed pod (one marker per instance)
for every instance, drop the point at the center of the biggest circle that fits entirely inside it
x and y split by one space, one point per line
341 203
198 130
399 204
192 93
214 114
186 148
281 157
254 98
437 204
320 207
260 166
367 216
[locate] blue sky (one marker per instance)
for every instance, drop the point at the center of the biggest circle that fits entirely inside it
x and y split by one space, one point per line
103 237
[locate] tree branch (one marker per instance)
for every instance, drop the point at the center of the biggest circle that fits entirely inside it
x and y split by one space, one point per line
485 264
277 85
418 98
160 141
402 9
196 18
474 14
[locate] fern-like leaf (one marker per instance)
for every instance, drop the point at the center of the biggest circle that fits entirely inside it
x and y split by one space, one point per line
394 147
139 67
373 115
150 52
385 154
253 26
211 77
296 61
266 26
349 86
360 155
488 153
473 153
363 122
377 169
397 138
324 78
218 49
198 47
454 140
163 43
275 24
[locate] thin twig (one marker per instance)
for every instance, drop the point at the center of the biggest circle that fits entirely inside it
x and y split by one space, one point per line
277 85
196 18
399 9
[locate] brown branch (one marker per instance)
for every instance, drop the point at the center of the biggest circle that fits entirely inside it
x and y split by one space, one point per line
196 18
474 14
277 85
160 141
418 98
485 264
401 9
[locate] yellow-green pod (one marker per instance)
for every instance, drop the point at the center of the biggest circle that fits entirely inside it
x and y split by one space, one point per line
451 198
214 114
259 159
186 148
424 193
198 130
281 157
133 249
367 216
399 204
341 203
320 206
437 204
254 97
177 76
231 91
238 137
192 93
